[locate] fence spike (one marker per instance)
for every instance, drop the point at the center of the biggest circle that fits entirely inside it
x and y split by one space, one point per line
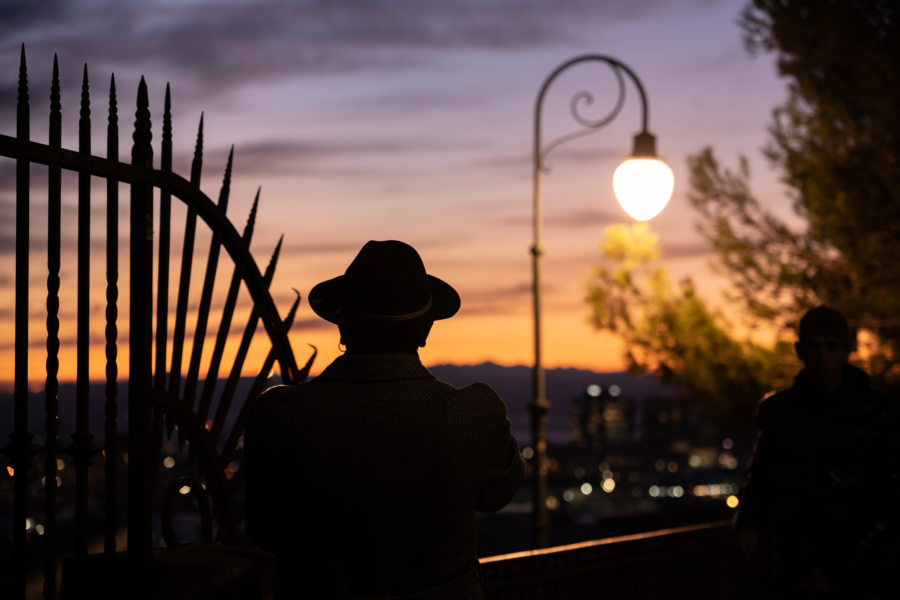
251 220
20 449
197 162
212 373
215 246
165 220
249 330
139 343
112 313
51 400
82 446
142 151
184 285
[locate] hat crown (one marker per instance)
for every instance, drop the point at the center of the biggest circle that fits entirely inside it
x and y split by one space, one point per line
386 282
386 279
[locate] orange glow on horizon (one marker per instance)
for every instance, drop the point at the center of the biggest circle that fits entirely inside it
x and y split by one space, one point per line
465 340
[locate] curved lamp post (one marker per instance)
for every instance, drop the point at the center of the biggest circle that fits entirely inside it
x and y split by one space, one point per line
643 185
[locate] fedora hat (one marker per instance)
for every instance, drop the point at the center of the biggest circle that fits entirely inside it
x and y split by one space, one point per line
386 282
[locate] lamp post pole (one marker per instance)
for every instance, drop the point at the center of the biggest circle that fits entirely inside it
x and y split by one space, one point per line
644 148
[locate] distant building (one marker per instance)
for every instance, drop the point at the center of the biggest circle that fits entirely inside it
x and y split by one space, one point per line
610 417
602 417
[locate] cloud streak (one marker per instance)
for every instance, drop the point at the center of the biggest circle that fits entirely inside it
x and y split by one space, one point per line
270 40
312 157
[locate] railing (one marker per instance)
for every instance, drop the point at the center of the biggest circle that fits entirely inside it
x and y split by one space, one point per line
696 561
682 563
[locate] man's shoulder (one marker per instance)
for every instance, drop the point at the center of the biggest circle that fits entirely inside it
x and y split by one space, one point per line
790 404
277 395
778 399
273 403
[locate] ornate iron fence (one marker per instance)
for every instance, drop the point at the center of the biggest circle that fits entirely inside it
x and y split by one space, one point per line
161 398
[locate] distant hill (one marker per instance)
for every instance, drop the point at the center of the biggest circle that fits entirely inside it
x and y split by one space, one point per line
512 383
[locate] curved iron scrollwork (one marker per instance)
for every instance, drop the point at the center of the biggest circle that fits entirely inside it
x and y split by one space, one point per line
216 486
584 98
215 451
194 487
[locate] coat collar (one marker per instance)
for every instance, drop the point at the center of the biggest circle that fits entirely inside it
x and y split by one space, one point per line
375 367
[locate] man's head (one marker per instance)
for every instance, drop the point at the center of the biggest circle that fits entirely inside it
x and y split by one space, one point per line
385 301
823 345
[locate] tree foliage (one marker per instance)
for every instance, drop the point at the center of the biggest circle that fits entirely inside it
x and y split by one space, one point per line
836 143
775 272
670 331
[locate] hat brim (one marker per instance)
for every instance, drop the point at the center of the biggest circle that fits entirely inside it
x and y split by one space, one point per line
324 299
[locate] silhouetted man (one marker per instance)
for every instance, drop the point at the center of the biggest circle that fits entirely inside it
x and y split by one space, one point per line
819 508
364 482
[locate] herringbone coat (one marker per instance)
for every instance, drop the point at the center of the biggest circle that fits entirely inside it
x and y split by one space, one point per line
365 481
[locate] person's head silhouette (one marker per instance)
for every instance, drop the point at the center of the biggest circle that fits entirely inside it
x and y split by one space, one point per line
385 301
823 345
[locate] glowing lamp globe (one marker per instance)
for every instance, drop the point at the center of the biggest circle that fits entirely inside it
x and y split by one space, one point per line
643 183
643 187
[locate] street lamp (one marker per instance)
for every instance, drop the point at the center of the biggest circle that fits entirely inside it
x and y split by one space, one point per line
643 185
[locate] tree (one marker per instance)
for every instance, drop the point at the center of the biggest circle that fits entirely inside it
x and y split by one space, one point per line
836 143
670 331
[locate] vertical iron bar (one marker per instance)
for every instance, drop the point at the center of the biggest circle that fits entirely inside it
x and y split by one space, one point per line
212 373
20 439
165 218
140 336
249 330
162 287
184 284
212 263
112 314
81 439
52 382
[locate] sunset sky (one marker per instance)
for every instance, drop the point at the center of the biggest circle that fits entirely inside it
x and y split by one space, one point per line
398 119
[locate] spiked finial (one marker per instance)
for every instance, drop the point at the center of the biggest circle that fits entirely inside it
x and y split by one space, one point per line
166 156
85 96
23 70
23 127
226 182
112 139
197 163
112 128
251 220
55 107
141 151
270 269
